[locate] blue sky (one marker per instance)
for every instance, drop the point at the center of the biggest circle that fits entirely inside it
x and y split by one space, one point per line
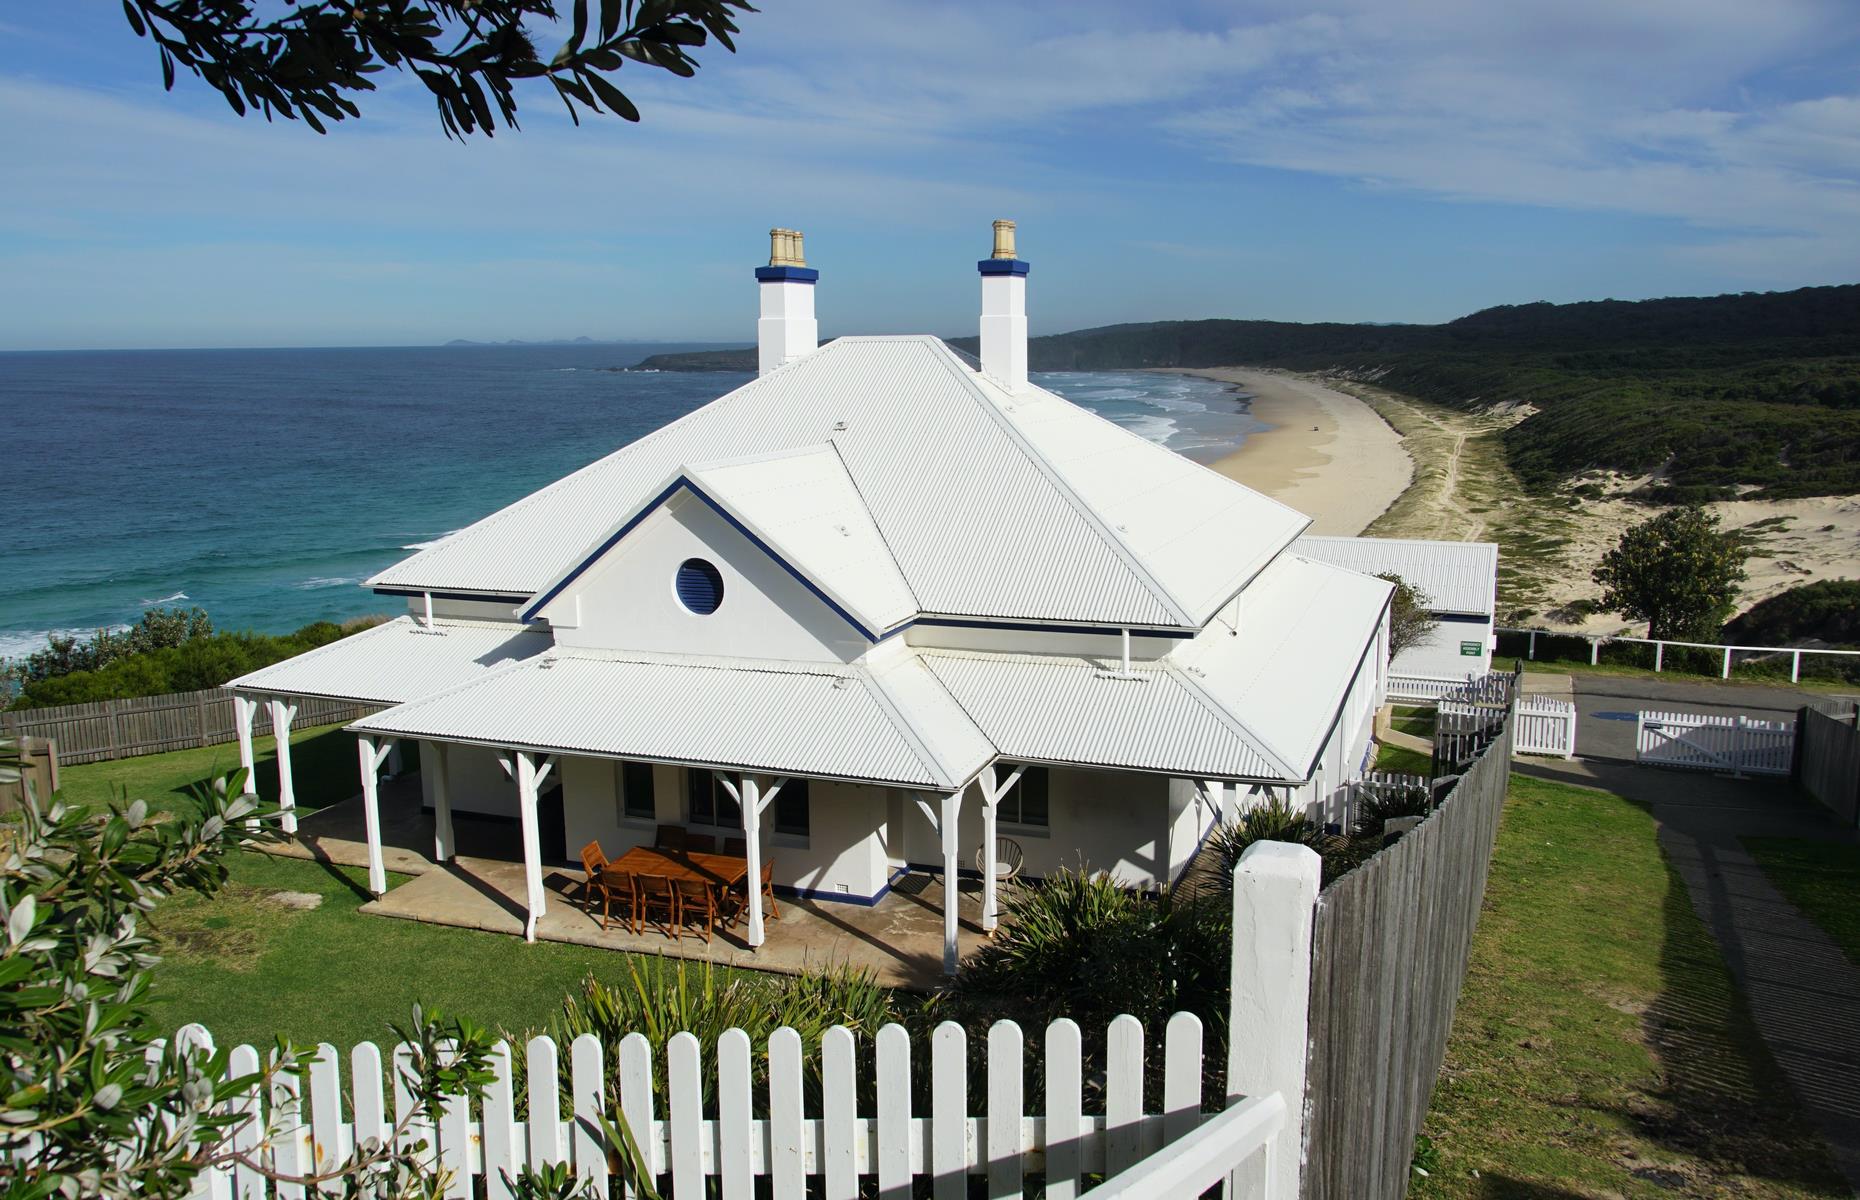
1357 160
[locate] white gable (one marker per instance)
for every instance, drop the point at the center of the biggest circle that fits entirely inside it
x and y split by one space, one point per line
806 509
625 597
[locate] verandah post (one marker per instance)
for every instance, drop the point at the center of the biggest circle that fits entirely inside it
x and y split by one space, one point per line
282 711
952 892
244 710
433 764
1274 917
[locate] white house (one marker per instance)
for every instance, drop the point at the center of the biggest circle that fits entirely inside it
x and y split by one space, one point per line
869 611
1460 581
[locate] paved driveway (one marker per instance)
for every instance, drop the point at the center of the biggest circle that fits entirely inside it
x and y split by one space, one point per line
1606 706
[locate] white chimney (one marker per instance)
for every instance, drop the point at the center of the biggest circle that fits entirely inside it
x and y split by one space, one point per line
1004 312
787 328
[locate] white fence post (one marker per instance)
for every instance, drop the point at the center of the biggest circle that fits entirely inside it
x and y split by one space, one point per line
1274 913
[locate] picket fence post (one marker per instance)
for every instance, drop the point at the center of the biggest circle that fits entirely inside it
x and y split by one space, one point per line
1268 1025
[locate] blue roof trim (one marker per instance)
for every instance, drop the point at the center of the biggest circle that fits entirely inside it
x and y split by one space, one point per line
530 610
1003 266
787 275
486 597
1035 627
684 484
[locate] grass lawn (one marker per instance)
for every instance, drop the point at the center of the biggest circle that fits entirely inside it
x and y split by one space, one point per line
1410 719
250 968
1400 760
323 766
1600 1047
1820 878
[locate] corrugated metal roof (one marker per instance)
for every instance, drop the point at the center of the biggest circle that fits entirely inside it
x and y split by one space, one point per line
782 718
985 513
1057 708
1456 577
1198 535
398 661
806 508
1304 626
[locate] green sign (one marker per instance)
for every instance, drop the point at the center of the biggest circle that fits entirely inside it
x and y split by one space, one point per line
1472 649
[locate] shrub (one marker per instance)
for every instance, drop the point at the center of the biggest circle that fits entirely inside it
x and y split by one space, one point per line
1079 946
663 997
1387 805
1277 820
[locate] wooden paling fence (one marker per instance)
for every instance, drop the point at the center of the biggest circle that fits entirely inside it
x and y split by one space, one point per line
1389 954
742 1134
1828 760
107 729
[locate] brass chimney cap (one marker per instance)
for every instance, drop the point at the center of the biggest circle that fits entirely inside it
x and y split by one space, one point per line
785 248
1004 240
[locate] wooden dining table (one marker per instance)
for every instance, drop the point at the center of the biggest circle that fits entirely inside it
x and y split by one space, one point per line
726 870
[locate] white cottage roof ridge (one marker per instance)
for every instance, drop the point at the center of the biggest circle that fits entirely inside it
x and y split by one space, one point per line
1109 579
1132 561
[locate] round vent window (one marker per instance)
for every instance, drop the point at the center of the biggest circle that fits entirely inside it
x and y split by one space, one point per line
700 586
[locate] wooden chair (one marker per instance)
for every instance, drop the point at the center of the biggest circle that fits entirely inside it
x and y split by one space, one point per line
768 889
656 894
702 843
669 837
736 847
697 904
598 886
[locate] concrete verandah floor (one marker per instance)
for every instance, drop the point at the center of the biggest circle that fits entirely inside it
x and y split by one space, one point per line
899 939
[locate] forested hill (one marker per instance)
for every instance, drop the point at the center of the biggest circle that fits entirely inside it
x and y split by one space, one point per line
1717 394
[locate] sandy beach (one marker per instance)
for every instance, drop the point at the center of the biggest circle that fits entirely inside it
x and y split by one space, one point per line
1327 454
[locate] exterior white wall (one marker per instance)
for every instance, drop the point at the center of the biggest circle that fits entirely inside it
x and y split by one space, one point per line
843 854
1119 822
1438 654
473 610
476 782
1108 647
626 601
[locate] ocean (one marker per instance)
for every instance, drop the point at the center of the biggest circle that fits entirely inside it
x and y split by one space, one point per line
264 485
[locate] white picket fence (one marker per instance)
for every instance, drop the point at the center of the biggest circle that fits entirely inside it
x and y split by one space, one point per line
481 1144
1423 687
1545 725
1740 745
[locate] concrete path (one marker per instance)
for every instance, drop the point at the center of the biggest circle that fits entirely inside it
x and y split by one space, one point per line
1803 993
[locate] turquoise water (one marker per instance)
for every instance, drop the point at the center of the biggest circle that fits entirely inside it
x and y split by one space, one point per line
264 485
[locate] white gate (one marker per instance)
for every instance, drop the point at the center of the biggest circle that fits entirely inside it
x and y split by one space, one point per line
1740 745
1545 725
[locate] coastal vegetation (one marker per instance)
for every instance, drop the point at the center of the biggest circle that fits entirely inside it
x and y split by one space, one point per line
312 61
1827 610
1752 394
168 650
1677 572
1410 620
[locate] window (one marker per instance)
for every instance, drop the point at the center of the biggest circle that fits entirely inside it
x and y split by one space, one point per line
711 804
700 586
1025 802
791 808
636 792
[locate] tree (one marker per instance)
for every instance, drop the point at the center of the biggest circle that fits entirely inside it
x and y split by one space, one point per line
1410 618
309 61
1676 572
